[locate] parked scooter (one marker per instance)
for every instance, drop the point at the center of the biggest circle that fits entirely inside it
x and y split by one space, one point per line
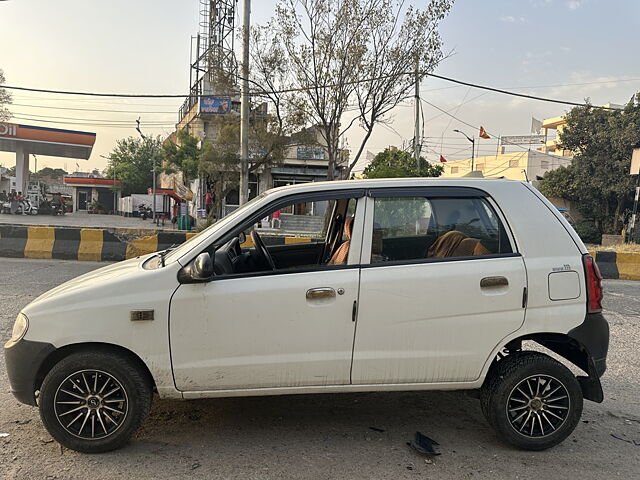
144 211
25 207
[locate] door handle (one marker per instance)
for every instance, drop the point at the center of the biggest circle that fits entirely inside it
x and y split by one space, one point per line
488 282
320 293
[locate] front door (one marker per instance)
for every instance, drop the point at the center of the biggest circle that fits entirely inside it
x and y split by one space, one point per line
82 200
264 331
289 327
443 286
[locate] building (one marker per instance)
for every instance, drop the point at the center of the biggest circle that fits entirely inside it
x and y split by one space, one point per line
215 99
552 128
526 165
92 191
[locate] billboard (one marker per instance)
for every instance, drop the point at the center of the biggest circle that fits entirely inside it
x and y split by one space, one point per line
522 139
215 105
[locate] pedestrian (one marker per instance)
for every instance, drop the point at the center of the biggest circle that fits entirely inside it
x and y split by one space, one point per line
208 202
22 203
61 204
13 202
275 219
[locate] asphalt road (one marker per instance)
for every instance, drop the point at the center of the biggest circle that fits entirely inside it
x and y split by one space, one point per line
327 436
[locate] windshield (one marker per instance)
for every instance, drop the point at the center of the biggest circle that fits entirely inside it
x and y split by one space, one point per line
229 219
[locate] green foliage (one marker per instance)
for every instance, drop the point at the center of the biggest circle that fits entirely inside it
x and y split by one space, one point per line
394 163
588 232
54 173
132 159
182 156
5 99
598 178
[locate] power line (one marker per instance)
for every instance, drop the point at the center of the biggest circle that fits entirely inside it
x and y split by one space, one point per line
97 120
93 109
85 124
300 89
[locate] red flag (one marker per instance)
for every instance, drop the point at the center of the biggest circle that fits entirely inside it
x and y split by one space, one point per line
483 133
442 159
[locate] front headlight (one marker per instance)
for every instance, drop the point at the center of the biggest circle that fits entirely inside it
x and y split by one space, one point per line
20 327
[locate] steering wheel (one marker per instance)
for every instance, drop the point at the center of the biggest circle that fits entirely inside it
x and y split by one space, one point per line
262 250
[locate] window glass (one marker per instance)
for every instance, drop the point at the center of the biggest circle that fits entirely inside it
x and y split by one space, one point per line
294 236
418 228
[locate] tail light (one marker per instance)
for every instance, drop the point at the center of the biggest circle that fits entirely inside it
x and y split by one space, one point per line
594 284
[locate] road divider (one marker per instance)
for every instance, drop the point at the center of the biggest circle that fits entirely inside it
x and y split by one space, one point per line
616 265
97 244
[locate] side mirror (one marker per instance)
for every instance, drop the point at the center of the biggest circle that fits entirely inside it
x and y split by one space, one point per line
242 238
201 270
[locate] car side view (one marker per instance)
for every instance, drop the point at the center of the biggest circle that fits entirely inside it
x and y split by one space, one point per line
406 284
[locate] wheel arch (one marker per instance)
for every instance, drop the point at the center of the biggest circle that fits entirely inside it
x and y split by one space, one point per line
564 345
63 352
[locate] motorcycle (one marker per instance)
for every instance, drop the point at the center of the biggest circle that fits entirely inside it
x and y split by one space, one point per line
145 212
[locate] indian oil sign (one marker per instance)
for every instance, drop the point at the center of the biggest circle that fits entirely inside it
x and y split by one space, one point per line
8 129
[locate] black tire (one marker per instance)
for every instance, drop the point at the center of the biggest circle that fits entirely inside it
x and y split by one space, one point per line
528 419
115 412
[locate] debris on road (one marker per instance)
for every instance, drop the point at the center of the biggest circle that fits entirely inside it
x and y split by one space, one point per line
376 429
632 442
424 444
3 435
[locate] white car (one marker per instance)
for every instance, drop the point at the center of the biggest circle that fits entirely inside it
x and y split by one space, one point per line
408 284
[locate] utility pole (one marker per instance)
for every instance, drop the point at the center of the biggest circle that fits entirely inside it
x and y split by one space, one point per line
416 109
155 219
244 106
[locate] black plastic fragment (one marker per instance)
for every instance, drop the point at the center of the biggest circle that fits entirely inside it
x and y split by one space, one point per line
424 444
376 429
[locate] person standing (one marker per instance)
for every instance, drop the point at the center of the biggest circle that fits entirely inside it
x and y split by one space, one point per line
13 202
208 202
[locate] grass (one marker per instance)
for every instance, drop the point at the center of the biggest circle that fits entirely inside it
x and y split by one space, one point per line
619 248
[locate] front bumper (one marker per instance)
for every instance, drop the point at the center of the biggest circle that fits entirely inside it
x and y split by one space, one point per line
24 359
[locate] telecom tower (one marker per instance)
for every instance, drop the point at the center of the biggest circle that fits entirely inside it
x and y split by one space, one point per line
213 65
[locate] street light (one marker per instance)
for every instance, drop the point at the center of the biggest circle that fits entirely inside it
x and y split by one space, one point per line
473 147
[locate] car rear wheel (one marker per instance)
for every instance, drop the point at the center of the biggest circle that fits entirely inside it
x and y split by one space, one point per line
94 401
532 401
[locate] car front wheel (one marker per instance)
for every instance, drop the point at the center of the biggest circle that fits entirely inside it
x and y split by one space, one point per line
532 401
94 401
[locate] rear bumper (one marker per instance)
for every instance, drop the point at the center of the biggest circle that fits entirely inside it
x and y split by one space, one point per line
24 359
593 336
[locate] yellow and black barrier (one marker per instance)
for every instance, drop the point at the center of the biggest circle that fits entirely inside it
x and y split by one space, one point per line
617 265
96 244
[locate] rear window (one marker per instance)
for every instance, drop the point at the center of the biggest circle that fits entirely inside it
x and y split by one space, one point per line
419 228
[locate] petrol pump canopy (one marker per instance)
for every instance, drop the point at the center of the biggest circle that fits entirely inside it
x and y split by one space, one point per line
54 142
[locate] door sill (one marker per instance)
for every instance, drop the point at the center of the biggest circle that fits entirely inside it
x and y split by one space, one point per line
389 387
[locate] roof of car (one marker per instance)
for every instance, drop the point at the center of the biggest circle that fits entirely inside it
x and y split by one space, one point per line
392 182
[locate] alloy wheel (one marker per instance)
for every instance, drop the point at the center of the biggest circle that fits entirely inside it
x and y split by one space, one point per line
91 404
538 406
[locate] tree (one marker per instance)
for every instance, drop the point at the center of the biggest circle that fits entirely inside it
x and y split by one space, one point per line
5 99
355 52
132 159
394 163
598 178
182 156
53 173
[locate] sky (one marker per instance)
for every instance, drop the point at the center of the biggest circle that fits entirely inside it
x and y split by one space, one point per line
564 49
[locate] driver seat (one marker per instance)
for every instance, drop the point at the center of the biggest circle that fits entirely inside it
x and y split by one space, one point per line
340 256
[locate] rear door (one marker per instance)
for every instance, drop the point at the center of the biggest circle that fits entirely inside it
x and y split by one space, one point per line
434 311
